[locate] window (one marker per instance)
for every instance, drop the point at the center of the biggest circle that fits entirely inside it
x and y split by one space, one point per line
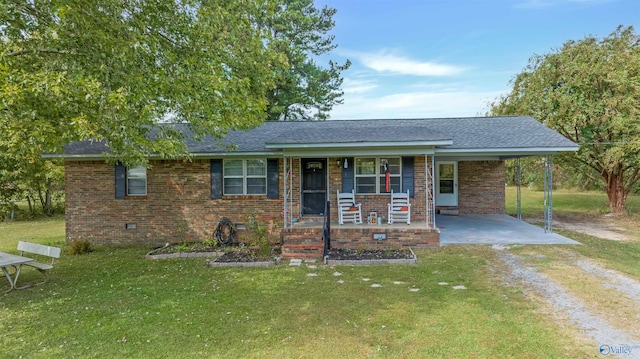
245 176
137 181
371 177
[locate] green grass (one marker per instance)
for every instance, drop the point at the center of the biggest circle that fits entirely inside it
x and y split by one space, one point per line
621 256
113 303
567 202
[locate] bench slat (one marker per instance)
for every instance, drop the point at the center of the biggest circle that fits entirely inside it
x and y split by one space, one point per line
39 249
41 266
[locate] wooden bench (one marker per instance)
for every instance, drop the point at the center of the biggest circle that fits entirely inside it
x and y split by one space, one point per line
41 250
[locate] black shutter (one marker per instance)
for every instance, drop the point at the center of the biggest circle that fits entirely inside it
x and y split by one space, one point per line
347 174
121 179
407 175
216 178
272 178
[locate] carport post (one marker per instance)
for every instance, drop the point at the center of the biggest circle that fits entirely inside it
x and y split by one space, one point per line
518 194
548 194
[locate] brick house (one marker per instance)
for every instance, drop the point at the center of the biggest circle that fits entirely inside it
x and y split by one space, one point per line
284 173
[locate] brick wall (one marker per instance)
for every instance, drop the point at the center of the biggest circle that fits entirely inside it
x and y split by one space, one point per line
177 207
481 187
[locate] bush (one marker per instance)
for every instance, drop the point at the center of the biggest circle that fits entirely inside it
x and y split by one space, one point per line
79 246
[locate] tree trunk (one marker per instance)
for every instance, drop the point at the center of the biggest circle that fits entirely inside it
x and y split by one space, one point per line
45 202
31 209
616 193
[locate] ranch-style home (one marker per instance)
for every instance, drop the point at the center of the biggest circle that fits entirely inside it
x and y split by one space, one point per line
284 173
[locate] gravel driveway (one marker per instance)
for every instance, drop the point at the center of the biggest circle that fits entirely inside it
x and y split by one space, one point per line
610 340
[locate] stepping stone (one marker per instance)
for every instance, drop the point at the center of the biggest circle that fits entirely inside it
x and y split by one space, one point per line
337 274
414 289
398 282
340 281
376 286
365 279
312 266
443 283
459 287
295 262
312 274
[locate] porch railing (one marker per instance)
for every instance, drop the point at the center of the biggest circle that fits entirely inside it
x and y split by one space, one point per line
326 228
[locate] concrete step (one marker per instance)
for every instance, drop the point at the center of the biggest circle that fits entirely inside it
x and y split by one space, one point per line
449 211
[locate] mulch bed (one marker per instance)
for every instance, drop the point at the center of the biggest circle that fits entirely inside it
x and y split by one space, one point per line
193 248
243 255
369 254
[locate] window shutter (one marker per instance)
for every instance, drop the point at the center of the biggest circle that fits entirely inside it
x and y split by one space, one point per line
272 178
121 179
407 175
348 174
216 178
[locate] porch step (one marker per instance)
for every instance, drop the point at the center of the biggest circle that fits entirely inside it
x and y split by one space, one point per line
304 251
449 211
305 243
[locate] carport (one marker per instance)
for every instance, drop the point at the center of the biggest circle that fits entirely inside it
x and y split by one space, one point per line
493 229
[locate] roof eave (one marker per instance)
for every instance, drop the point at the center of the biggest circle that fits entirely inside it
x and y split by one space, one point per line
513 152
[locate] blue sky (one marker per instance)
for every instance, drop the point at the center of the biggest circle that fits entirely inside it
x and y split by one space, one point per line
449 58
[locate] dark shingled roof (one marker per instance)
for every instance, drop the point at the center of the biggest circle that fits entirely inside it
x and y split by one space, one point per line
473 133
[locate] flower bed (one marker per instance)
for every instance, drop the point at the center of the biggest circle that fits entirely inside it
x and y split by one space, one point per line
370 256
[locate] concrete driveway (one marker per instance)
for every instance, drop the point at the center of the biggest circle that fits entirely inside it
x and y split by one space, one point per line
493 229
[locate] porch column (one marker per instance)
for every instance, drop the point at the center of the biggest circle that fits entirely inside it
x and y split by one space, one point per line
430 209
548 194
287 197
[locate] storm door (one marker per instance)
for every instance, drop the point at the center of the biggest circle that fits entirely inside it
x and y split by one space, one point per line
314 185
446 184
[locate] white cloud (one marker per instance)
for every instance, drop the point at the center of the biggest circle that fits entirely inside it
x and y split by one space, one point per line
350 86
384 61
461 103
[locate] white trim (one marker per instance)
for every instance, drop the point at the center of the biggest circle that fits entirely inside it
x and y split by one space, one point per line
377 175
502 151
451 199
374 150
129 177
245 177
361 152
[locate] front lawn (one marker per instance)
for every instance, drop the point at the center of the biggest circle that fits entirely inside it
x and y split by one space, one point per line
113 303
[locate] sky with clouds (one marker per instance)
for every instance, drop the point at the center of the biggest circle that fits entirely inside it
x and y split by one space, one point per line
449 58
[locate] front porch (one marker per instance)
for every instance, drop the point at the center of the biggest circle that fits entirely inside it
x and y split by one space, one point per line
304 239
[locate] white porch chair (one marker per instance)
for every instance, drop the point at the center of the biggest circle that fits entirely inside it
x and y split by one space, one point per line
399 208
348 209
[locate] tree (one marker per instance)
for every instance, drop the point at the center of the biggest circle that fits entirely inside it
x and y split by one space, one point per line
589 91
111 70
304 90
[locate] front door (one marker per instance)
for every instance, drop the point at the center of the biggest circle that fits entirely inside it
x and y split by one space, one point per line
447 183
314 186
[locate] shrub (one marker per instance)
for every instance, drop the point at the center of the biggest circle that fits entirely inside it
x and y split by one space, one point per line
80 246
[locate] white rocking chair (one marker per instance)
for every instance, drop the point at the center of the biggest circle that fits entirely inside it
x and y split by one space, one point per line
399 209
348 209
